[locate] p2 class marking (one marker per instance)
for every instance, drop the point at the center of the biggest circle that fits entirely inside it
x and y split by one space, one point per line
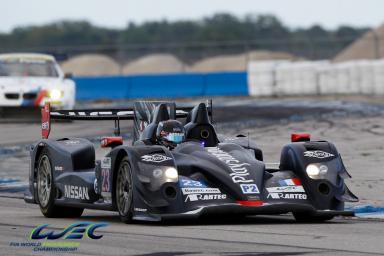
249 189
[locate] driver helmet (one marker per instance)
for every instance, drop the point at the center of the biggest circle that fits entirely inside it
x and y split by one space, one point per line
170 133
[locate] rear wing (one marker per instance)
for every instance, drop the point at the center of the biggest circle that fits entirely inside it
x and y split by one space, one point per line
47 115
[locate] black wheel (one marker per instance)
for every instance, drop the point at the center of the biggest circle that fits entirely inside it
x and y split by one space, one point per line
308 218
123 191
46 191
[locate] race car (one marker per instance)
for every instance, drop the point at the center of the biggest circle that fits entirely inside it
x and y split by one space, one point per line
201 174
31 80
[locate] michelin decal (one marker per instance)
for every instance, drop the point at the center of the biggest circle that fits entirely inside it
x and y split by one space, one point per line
155 158
318 154
198 191
286 189
187 191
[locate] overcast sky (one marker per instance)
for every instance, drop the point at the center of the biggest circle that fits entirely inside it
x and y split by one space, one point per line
116 13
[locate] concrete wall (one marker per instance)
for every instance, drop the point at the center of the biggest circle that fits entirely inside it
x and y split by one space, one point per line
284 78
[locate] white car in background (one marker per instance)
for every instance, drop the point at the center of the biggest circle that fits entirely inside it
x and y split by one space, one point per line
31 80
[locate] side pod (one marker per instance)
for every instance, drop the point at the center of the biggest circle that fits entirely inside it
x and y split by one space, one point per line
321 169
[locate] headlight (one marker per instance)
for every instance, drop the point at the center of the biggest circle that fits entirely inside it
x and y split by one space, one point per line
55 94
315 171
171 173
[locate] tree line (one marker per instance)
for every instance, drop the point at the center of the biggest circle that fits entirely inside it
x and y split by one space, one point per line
262 31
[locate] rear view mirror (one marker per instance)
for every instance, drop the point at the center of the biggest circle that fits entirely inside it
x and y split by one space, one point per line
68 75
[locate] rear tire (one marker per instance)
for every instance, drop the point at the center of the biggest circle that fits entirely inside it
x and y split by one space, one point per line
308 218
124 191
46 191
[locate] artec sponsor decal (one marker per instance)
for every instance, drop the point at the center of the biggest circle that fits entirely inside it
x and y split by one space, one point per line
300 196
205 197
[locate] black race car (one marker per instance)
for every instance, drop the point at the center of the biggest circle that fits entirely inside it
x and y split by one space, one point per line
205 174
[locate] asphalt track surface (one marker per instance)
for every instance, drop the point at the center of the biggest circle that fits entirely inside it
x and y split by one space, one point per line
249 236
356 129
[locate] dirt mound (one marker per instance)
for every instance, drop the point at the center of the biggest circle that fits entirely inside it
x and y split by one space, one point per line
369 46
91 65
270 55
98 64
220 63
237 62
154 63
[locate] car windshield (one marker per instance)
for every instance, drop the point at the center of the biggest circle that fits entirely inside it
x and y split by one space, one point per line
28 68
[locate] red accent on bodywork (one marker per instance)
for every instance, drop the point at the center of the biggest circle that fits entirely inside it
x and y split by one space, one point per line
251 203
40 96
110 142
296 181
46 121
296 137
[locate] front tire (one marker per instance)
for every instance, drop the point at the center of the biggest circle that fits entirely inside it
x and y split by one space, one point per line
46 191
124 191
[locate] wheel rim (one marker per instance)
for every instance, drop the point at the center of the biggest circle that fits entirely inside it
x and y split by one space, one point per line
44 184
124 189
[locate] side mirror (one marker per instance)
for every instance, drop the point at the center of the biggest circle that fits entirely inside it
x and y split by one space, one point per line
68 75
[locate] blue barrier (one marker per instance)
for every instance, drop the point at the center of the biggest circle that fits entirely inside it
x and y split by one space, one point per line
226 84
166 86
101 88
162 86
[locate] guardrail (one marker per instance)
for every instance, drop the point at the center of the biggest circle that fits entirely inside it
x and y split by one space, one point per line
162 86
